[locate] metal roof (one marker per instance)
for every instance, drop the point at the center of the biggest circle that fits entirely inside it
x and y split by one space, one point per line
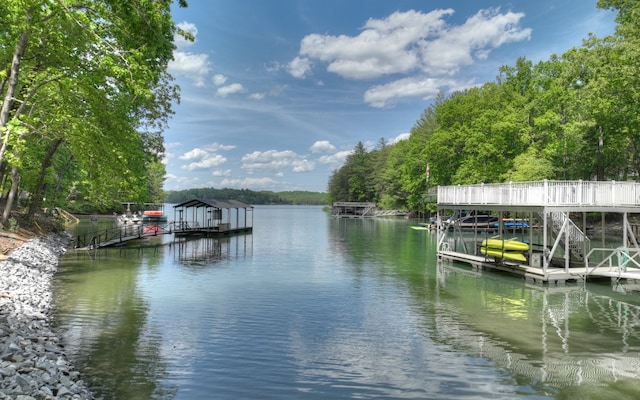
213 203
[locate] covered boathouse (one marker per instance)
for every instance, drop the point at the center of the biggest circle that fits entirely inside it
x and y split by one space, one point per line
554 218
198 217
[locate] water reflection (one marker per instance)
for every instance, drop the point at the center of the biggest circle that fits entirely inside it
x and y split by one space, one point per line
328 308
105 319
560 341
557 337
207 250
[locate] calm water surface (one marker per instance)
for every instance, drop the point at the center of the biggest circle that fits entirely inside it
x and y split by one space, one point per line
312 307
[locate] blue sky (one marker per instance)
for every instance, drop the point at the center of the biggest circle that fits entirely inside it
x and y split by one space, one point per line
275 94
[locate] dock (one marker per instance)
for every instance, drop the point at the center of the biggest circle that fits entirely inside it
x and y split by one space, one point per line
208 217
560 250
193 218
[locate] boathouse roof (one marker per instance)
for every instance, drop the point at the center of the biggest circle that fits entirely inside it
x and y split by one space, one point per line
197 203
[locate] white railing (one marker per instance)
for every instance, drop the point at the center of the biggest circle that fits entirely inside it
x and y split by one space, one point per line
544 193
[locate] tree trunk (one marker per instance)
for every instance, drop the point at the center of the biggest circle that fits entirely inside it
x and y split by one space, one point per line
600 163
61 174
15 181
11 90
36 199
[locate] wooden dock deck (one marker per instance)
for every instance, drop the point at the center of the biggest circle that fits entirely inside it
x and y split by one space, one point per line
212 231
553 275
116 237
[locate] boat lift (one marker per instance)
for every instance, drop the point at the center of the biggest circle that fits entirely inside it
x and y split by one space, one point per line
564 251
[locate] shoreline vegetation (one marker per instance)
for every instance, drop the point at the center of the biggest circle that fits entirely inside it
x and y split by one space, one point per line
249 196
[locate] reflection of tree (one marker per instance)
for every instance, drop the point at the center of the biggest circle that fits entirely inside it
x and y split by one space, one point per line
546 336
549 338
104 318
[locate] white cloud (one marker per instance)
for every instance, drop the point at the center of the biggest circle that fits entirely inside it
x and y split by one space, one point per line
250 183
474 40
303 165
385 46
181 182
383 95
272 66
195 154
299 67
213 147
336 158
193 66
276 160
219 79
230 89
209 161
257 96
221 172
322 146
420 50
402 136
202 159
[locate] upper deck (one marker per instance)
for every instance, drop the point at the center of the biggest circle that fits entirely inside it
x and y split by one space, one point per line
618 196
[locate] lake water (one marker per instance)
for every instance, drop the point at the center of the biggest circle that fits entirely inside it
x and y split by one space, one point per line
313 307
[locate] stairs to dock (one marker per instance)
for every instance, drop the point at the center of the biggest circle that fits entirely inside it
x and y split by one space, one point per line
570 234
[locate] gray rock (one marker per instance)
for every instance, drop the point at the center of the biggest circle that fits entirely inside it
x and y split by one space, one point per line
32 363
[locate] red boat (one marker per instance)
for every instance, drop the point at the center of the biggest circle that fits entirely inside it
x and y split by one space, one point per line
153 213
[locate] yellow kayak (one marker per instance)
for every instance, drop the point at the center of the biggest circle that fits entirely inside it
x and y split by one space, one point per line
507 255
510 245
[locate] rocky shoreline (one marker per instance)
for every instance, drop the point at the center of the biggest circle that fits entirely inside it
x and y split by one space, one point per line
33 364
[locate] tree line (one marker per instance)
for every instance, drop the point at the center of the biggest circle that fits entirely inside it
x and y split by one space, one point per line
85 98
573 116
248 196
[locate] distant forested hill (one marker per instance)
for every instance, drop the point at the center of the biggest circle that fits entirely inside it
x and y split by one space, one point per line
248 196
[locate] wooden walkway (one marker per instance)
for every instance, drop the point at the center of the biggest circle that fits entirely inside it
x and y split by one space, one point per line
118 236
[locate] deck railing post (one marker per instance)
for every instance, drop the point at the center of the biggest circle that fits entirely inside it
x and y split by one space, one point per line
613 192
579 192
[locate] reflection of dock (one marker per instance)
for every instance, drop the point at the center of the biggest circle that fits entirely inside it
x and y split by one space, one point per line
208 250
536 338
563 252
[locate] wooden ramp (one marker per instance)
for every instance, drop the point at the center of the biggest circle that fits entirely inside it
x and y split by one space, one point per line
118 236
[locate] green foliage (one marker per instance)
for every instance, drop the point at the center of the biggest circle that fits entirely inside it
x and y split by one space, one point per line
247 196
12 225
91 93
574 116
